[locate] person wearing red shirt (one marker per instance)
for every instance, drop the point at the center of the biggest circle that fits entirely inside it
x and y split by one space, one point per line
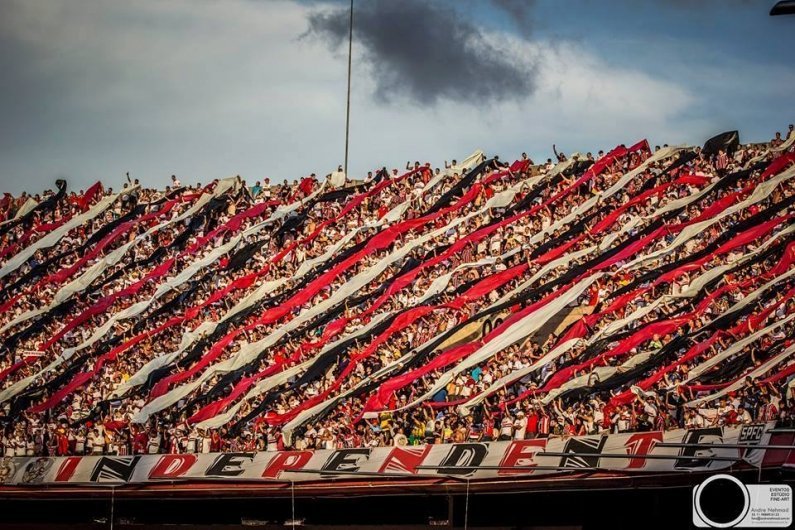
62 447
532 424
140 441
215 442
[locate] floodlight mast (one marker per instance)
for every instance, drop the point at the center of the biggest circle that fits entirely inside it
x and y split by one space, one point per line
348 106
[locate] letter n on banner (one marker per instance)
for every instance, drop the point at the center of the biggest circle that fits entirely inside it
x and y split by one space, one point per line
583 446
114 468
463 459
641 444
520 453
286 461
172 466
404 460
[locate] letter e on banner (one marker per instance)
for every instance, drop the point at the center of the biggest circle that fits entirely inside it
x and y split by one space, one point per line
346 460
285 461
229 464
520 453
688 456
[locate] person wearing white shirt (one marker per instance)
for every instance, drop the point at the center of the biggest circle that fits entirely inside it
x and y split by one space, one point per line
519 426
96 442
80 443
8 446
338 178
400 439
745 417
506 427
694 420
154 443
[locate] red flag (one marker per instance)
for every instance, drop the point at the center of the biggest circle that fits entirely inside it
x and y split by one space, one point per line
306 185
89 195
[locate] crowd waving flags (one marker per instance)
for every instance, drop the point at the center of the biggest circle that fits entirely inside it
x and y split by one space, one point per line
640 290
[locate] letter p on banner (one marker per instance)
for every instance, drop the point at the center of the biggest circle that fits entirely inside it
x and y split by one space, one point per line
285 461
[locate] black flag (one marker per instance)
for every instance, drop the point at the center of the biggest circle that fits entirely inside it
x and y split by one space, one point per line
728 141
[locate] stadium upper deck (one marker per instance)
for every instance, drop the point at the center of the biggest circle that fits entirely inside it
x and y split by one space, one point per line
636 290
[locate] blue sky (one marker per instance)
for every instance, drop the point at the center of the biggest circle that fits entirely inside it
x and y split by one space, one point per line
205 89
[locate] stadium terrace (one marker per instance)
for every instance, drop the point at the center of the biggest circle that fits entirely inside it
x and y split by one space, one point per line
588 305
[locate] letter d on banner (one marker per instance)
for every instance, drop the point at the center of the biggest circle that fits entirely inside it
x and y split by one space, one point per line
466 456
172 466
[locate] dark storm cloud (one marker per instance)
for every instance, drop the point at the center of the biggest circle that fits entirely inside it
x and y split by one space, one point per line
520 12
706 3
426 52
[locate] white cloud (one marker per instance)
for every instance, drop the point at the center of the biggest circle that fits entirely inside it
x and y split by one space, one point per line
207 89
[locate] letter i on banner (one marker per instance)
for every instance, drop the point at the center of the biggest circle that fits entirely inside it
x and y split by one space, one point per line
67 469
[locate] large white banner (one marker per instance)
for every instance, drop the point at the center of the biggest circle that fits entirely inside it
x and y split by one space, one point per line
654 451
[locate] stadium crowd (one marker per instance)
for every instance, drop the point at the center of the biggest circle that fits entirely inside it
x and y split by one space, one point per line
636 289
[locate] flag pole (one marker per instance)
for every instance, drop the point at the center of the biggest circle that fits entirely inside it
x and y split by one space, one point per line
348 107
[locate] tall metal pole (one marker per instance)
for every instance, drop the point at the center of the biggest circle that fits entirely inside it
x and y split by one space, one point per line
348 108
